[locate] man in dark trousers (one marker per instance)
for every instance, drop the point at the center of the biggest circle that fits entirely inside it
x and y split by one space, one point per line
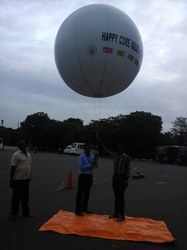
20 176
121 172
87 162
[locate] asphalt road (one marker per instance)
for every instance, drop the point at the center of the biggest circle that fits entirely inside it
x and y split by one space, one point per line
161 195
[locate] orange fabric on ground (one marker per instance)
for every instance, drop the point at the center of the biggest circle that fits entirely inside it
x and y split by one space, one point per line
100 226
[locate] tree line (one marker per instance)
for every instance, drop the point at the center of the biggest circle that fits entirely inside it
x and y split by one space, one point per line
140 132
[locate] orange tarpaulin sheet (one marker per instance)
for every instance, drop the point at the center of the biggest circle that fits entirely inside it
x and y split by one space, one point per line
100 226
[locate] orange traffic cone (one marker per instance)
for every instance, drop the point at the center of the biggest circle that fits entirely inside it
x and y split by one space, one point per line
70 181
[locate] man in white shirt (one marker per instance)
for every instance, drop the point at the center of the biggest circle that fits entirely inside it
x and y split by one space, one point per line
20 177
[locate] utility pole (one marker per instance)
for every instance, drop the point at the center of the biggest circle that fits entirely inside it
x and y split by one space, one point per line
185 132
18 131
2 135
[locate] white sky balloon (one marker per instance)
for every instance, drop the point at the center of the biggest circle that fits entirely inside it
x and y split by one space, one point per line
98 51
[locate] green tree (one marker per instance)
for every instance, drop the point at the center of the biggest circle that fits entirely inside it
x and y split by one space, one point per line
179 130
35 129
46 134
139 132
73 130
9 136
142 133
166 138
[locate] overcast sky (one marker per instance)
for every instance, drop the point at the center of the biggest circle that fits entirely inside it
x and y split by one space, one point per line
30 82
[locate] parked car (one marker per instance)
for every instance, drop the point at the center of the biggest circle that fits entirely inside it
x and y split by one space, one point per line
67 150
167 154
78 147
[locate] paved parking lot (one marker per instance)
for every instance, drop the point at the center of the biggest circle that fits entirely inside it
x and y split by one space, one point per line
161 195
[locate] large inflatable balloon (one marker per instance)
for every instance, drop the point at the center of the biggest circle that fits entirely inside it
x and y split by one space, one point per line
98 51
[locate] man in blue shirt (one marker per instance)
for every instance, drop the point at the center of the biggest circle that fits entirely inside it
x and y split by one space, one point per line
87 162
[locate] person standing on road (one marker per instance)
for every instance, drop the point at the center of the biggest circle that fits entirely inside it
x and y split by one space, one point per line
121 172
87 162
20 177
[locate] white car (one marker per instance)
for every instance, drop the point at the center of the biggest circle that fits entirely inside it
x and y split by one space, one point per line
76 148
67 150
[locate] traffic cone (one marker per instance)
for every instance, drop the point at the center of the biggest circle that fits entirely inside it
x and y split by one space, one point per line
69 181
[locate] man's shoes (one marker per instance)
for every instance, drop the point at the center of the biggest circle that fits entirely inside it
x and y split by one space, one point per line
120 218
28 215
79 214
112 216
87 211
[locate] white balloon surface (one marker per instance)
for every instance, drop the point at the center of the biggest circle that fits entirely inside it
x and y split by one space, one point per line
98 51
